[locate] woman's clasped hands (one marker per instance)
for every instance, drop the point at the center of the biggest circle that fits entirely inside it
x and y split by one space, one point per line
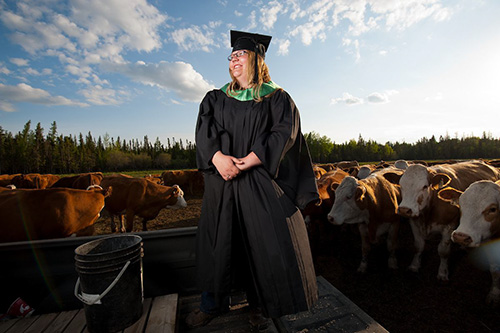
229 167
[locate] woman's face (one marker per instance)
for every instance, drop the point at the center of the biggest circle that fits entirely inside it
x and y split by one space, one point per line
238 67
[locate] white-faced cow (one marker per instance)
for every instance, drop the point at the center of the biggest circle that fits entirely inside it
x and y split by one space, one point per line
372 204
427 213
138 196
479 223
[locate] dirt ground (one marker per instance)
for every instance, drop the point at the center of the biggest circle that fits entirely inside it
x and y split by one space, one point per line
401 301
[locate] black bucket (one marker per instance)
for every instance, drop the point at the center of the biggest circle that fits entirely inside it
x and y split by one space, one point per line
110 277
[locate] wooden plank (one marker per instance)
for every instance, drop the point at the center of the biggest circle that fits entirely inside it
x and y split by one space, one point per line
22 324
61 321
163 314
6 325
41 323
138 326
78 323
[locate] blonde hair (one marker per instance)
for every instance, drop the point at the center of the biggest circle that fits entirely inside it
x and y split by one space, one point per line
263 77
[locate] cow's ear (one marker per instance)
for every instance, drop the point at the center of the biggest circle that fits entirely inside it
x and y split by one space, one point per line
360 197
108 191
450 195
440 180
393 177
359 194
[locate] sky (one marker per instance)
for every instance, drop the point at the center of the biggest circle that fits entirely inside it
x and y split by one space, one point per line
388 70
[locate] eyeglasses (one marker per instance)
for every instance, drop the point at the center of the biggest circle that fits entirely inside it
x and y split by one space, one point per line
236 55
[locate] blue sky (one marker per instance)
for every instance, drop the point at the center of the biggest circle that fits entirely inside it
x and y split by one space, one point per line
384 69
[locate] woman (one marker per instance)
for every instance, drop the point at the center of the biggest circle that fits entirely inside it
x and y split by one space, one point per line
257 172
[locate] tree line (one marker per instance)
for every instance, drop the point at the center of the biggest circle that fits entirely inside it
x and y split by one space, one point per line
323 150
31 151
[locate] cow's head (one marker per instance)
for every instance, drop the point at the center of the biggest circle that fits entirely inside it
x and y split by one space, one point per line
106 192
480 212
349 203
179 194
418 184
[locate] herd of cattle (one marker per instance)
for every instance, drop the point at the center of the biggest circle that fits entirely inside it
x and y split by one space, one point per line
458 200
41 206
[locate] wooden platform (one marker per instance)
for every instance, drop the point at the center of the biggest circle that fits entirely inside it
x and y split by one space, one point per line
332 313
159 315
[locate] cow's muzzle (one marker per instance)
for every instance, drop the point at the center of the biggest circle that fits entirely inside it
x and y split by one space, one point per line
405 211
461 238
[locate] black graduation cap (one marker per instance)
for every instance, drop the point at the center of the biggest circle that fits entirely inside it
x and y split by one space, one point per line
241 40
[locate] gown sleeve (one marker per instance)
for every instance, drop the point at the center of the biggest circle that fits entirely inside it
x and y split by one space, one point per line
272 146
284 153
207 135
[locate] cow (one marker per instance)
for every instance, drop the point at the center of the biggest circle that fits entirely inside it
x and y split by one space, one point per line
371 203
190 180
81 181
318 171
364 171
426 212
34 180
401 164
32 214
154 178
479 223
7 179
138 196
315 213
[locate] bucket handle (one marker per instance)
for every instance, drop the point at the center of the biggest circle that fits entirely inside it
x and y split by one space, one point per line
92 299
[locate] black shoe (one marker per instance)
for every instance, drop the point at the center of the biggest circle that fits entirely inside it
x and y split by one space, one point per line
257 320
198 318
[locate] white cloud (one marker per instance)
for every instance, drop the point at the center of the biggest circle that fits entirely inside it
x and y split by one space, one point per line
32 71
179 77
85 31
354 18
25 93
353 47
269 14
102 96
347 99
133 24
317 25
403 14
194 39
4 70
19 61
252 21
373 98
283 46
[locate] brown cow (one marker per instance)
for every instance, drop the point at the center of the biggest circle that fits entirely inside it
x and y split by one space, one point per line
157 179
7 179
27 214
371 203
428 213
190 180
479 225
34 180
315 213
138 196
318 171
81 181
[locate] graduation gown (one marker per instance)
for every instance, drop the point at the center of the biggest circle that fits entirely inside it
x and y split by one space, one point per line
261 203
